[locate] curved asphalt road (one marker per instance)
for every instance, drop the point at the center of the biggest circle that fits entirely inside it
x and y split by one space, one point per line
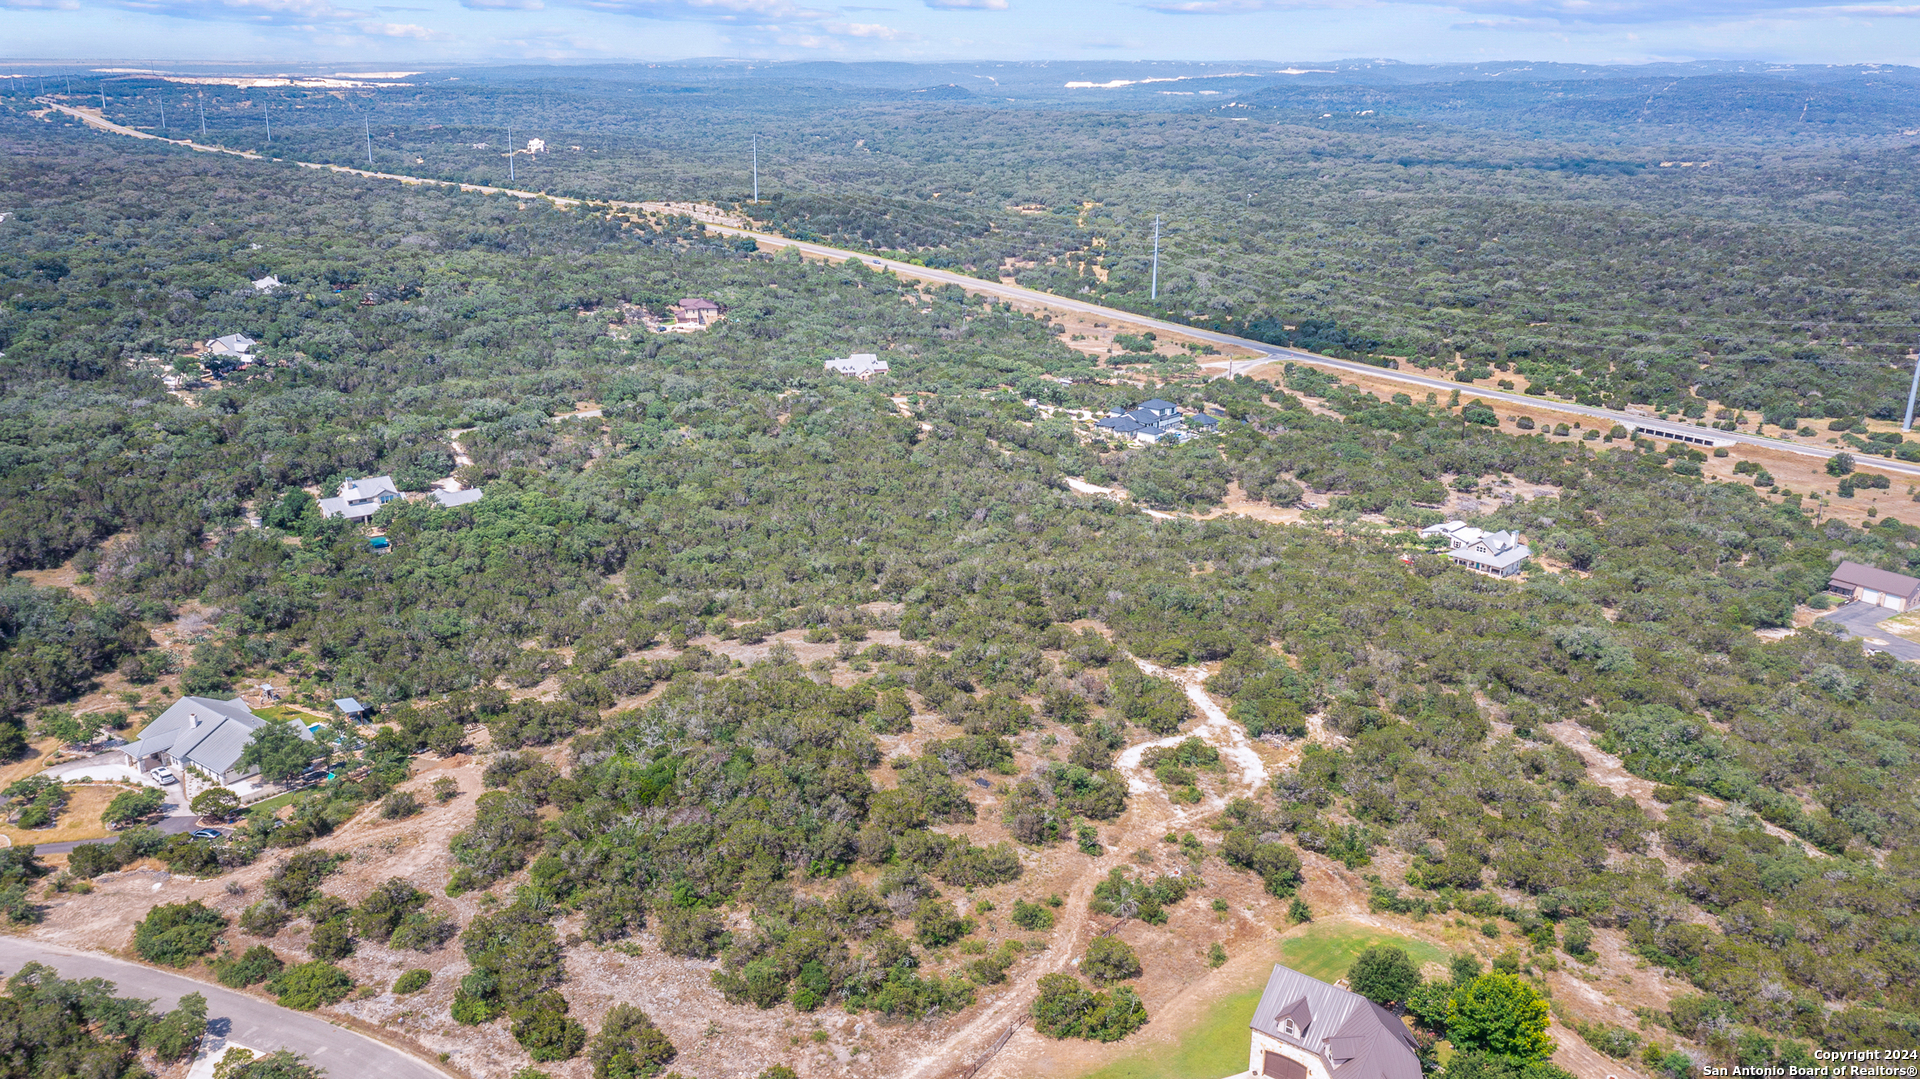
166 826
1035 296
343 1053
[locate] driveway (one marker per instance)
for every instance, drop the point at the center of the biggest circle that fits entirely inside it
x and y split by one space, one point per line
237 1018
1862 621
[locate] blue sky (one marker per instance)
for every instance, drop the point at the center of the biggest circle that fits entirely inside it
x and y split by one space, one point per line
395 32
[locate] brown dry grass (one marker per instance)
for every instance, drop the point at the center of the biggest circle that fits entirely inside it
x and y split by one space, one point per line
80 820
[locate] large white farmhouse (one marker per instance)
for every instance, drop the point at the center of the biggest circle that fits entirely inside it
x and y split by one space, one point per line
1497 554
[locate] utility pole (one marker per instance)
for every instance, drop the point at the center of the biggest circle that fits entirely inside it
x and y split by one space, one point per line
163 114
510 152
1911 390
756 168
103 102
1155 294
269 116
366 124
203 115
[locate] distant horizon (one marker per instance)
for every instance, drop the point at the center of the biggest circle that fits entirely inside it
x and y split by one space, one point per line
345 67
439 32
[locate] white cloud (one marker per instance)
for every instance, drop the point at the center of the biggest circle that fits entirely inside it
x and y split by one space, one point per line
722 11
968 5
1245 7
404 29
1656 11
268 12
504 5
869 30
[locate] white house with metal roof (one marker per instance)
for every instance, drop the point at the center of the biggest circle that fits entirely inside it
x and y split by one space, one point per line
1304 1028
861 365
360 499
233 345
207 734
1498 554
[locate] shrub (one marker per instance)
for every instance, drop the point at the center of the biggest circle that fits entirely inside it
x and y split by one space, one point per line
307 986
384 908
256 964
1384 974
544 1030
399 805
177 1033
265 918
1501 1014
1479 1065
1126 896
423 931
629 1045
1577 936
1217 955
412 982
1067 1009
1034 917
992 970
295 882
935 924
1110 959
129 807
178 933
332 939
284 1064
690 934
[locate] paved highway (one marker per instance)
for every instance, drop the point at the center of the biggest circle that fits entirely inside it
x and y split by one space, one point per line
345 1054
1280 354
721 224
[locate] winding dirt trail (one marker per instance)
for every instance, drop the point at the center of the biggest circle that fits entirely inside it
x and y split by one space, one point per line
1149 815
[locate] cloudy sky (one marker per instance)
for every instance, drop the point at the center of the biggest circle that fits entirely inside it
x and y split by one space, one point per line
182 32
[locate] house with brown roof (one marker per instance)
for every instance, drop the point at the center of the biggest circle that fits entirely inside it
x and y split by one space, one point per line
694 311
1865 584
1304 1028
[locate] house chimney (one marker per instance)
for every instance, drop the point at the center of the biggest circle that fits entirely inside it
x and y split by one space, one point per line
193 719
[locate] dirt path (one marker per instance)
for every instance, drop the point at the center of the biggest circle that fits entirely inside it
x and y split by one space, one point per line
1215 729
1609 771
1150 815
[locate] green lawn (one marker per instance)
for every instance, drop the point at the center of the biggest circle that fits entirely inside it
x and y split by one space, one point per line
1216 1046
1326 951
279 800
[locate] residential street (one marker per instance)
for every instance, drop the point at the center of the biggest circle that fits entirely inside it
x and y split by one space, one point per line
236 1017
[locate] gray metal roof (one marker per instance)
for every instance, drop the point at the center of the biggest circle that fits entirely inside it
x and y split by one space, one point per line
1357 1038
457 498
205 732
348 704
1858 576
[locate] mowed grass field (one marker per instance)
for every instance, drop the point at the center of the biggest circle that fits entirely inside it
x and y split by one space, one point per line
1216 1046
